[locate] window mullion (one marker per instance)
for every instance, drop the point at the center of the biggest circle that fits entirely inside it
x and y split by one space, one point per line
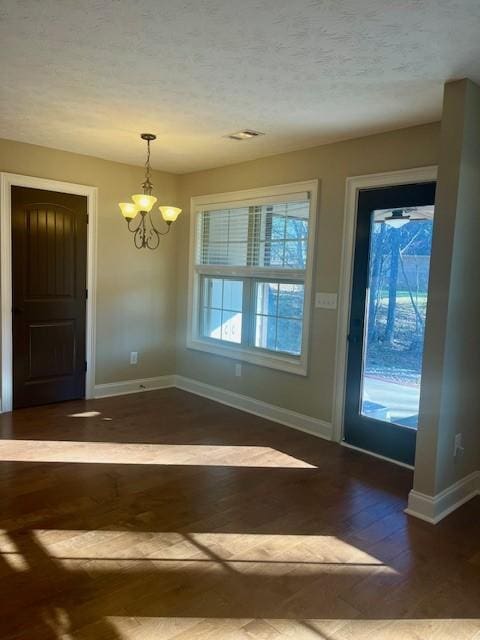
247 314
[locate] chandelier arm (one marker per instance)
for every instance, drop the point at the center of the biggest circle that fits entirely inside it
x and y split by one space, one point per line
131 227
160 233
153 239
139 235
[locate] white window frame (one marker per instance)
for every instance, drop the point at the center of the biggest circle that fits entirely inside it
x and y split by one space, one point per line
292 364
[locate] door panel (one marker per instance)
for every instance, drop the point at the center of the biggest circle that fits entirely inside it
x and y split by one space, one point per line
49 248
48 362
387 318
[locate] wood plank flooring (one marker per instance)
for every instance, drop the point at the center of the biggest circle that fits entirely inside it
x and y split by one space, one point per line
164 516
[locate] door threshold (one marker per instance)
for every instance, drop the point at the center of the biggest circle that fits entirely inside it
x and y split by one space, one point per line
377 455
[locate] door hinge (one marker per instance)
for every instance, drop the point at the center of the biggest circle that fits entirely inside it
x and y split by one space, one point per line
86 365
87 218
86 294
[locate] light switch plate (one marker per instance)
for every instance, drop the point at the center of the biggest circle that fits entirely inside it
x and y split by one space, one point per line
325 300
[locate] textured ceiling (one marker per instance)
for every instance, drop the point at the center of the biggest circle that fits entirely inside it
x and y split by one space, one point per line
90 75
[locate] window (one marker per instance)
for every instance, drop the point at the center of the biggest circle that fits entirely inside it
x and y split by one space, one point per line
250 275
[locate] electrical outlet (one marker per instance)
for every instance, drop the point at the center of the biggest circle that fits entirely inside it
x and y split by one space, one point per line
238 370
133 357
458 445
326 300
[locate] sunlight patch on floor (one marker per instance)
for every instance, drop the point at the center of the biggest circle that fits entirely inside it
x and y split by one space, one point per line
85 414
186 628
242 552
164 454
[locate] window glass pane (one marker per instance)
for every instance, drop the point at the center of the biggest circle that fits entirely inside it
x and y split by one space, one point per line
290 300
265 332
278 316
233 295
278 227
296 254
275 250
232 326
213 292
399 263
267 298
289 336
297 228
222 309
212 323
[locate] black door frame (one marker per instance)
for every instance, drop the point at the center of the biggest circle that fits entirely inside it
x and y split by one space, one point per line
7 181
390 441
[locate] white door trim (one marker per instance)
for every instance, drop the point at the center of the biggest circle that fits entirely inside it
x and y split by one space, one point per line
353 186
7 180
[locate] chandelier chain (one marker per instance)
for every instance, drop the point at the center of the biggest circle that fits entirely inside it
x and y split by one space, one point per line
147 185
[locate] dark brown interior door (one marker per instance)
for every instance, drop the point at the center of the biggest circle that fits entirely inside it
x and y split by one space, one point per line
49 257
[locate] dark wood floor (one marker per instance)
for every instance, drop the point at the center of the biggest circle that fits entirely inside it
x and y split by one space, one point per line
163 515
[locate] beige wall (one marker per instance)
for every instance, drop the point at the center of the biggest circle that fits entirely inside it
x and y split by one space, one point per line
135 289
450 395
331 164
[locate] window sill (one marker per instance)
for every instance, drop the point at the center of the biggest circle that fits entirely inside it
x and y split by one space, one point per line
297 366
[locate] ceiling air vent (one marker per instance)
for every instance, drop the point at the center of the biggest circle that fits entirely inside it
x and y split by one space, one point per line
245 134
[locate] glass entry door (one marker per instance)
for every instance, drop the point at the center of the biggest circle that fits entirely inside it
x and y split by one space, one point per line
387 318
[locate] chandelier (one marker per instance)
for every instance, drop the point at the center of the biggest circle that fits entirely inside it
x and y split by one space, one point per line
137 213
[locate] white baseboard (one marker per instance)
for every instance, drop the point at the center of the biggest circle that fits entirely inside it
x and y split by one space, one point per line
299 421
132 386
432 509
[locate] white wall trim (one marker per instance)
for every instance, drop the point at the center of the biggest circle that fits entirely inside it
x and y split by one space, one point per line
432 509
133 386
353 186
299 421
7 180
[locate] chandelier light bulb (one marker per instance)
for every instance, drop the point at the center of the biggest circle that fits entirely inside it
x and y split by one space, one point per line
144 202
128 209
170 214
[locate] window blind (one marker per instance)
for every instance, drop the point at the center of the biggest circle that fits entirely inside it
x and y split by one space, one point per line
264 235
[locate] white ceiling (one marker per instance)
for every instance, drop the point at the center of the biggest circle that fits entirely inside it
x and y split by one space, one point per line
90 75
